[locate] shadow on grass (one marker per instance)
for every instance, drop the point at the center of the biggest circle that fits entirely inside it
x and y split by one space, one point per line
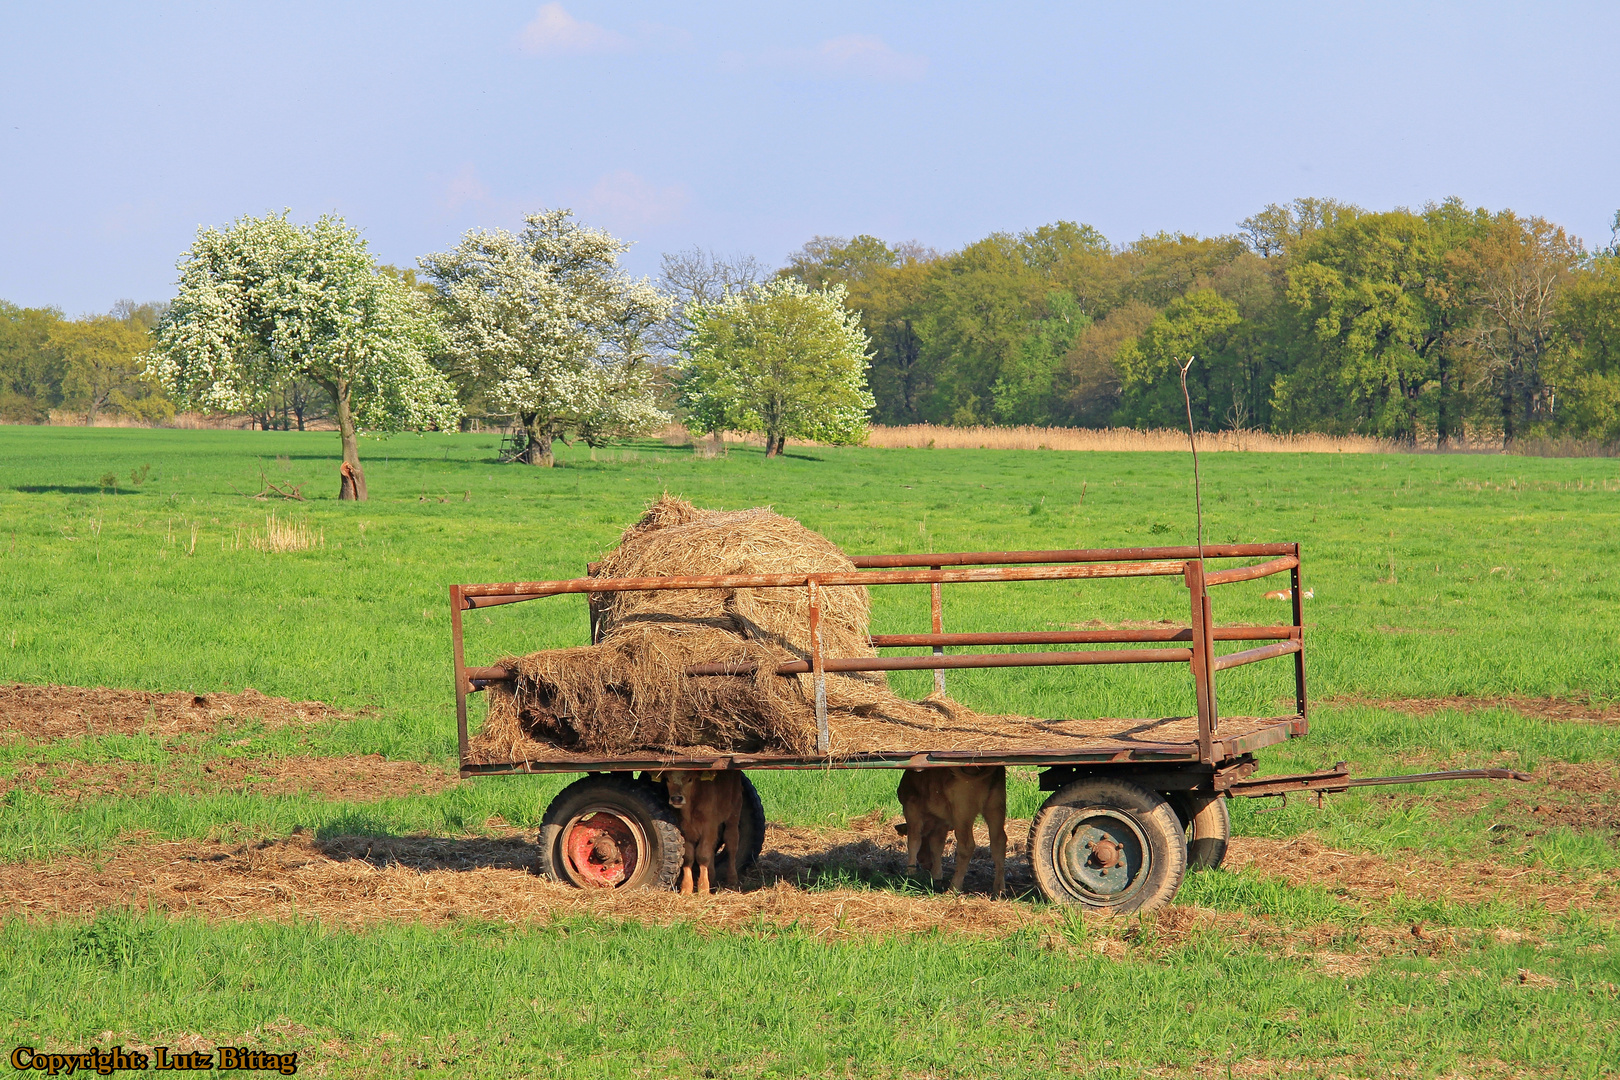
70 489
425 853
860 864
865 864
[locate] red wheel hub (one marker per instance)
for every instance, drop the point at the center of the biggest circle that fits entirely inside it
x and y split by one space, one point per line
601 849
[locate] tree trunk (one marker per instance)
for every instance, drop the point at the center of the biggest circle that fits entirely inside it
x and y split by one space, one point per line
773 444
540 433
1442 418
352 485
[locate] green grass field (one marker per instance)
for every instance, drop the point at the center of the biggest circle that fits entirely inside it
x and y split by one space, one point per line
1474 577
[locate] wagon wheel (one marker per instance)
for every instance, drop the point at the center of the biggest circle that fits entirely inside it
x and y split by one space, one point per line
610 832
1109 845
1208 823
752 828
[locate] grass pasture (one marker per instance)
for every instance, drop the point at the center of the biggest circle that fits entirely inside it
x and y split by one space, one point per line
328 886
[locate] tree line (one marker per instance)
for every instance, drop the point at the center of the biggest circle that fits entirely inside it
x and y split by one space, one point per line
1423 326
1427 326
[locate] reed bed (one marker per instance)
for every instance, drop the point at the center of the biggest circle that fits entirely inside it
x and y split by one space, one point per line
937 437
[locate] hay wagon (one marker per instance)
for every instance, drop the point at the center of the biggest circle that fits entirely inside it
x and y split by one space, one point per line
1134 803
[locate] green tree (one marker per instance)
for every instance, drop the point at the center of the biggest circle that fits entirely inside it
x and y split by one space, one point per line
104 369
1090 384
1025 390
780 359
1516 271
267 300
979 306
834 260
1587 373
1192 326
30 368
1360 290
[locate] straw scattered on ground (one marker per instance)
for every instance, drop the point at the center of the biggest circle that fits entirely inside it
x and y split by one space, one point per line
358 880
63 712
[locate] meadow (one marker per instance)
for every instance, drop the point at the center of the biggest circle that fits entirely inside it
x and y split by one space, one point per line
1466 611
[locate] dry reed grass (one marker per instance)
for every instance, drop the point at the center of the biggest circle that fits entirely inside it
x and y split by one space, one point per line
279 536
935 437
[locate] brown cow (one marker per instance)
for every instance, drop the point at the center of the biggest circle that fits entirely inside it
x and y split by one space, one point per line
710 804
938 802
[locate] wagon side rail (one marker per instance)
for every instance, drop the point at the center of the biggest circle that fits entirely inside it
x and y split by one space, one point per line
937 569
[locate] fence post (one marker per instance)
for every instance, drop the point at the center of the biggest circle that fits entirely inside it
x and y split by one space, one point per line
937 603
456 604
1202 661
818 670
1299 632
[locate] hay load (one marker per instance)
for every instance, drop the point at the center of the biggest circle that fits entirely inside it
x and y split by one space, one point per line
629 692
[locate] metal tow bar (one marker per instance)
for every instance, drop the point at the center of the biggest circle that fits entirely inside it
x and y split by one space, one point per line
1338 780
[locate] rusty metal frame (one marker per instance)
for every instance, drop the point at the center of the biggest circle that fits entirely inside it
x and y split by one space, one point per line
935 570
1338 779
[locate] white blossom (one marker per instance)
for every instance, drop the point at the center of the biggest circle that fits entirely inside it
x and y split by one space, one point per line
554 327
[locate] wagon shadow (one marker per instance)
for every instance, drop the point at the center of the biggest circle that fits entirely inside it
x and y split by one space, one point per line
867 864
427 853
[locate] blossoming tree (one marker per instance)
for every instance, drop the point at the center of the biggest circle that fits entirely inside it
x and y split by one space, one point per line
557 332
267 300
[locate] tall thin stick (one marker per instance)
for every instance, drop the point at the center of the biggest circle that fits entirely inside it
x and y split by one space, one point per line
1198 492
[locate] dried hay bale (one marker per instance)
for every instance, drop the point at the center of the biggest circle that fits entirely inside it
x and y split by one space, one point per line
630 692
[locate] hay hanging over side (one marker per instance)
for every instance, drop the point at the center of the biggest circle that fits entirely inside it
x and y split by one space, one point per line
630 692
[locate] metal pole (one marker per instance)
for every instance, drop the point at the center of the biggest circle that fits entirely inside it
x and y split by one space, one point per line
818 671
1299 630
938 605
1203 680
456 605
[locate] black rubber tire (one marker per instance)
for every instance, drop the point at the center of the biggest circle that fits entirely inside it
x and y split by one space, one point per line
637 800
752 827
1157 838
1208 821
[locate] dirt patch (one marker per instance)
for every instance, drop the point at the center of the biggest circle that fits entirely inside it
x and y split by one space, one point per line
1565 709
63 712
344 779
1305 860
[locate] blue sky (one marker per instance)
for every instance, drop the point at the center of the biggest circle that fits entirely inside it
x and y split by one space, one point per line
752 127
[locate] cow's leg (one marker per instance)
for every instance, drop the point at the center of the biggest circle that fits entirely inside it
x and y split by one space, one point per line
995 817
966 845
916 836
688 857
705 855
937 832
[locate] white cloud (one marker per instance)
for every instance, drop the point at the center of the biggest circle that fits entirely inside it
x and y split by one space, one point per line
863 56
553 32
629 201
851 56
463 188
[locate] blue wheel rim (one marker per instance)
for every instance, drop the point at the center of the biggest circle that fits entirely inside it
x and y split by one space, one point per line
1102 856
